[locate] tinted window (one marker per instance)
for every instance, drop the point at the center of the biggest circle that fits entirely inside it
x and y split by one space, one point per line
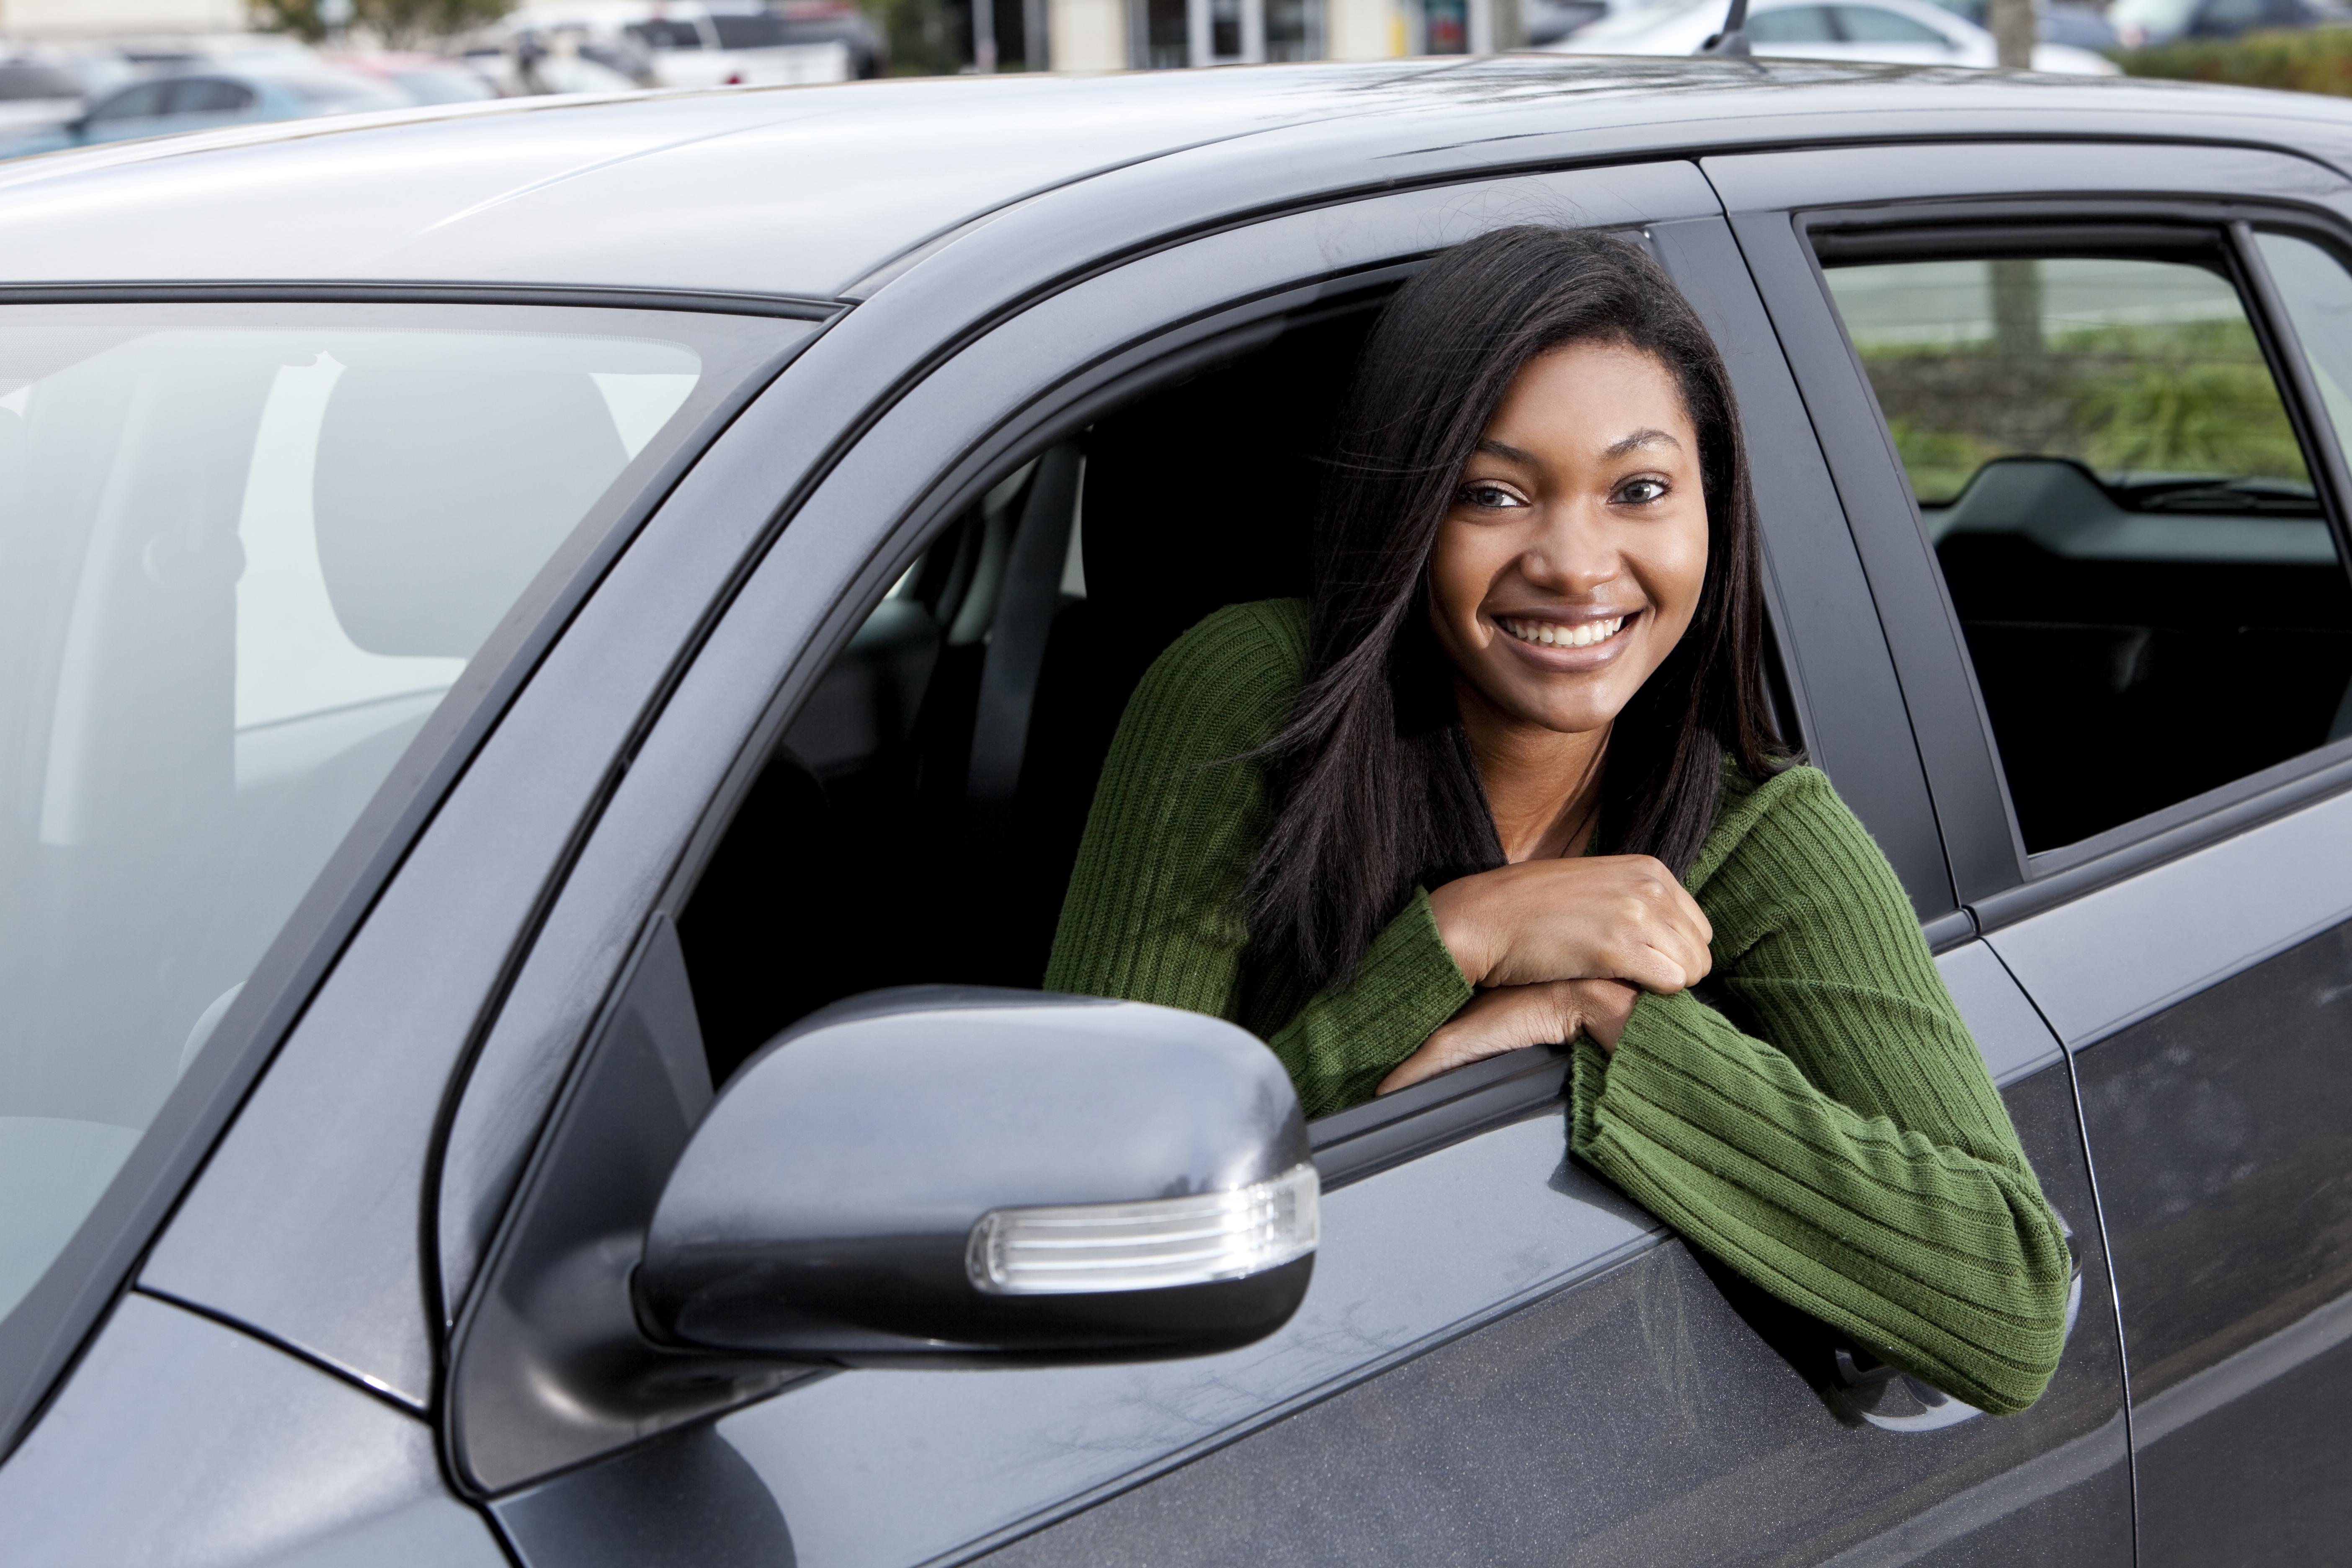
2125 519
1798 25
1869 24
240 564
132 102
206 95
25 80
757 31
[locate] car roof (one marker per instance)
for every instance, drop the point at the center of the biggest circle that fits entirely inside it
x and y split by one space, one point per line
809 191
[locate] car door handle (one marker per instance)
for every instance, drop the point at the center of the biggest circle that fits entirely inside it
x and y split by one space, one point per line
1862 1376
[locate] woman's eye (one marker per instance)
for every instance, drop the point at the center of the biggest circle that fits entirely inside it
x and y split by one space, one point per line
1641 492
1491 497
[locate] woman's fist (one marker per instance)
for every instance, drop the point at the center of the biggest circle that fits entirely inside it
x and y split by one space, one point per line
1610 917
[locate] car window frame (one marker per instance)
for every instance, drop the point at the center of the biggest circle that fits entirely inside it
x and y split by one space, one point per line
2127 225
1770 197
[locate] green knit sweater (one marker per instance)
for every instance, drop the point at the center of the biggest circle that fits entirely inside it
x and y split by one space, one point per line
1853 1159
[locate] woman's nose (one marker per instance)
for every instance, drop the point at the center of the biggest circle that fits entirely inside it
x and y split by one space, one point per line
1571 556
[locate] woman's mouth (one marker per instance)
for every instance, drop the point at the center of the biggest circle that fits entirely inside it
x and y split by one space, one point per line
1563 634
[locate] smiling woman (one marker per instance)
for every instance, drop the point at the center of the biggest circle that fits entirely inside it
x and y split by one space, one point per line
1510 780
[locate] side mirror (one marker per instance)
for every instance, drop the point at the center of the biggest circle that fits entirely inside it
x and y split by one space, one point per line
954 1174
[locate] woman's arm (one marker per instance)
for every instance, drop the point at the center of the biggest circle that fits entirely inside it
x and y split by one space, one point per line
1853 1156
1152 912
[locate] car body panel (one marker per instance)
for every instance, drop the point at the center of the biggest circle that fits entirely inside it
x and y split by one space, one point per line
1640 1418
238 1454
821 185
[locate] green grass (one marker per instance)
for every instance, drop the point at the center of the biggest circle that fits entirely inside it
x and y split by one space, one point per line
2317 59
2187 396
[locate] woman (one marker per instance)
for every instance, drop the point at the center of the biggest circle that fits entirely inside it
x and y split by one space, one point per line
1511 779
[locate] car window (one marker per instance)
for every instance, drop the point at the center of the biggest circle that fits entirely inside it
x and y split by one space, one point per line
2231 16
136 102
1871 25
757 31
956 742
26 79
244 554
206 95
666 34
1795 24
2124 517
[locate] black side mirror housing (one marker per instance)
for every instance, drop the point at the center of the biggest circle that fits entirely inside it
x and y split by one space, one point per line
951 1174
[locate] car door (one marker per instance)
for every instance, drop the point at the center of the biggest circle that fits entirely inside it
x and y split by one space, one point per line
1499 1355
2117 417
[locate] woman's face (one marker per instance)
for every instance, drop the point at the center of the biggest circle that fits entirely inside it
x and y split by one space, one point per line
1571 559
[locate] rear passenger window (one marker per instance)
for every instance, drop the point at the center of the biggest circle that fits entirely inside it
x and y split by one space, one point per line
2126 522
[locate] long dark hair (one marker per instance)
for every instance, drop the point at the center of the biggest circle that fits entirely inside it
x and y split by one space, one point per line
1377 790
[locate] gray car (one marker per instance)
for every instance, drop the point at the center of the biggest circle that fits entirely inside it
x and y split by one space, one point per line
553 659
207 99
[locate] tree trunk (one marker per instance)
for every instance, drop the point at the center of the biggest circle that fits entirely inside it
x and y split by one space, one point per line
2013 26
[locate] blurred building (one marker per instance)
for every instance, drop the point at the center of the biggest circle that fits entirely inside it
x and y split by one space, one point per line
78 19
1122 35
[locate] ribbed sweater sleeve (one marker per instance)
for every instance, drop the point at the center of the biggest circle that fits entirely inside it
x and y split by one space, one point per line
1152 912
1861 1165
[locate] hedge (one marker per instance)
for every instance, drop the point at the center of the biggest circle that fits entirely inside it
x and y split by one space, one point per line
2317 60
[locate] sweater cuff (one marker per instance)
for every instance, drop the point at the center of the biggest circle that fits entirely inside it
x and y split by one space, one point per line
1656 1030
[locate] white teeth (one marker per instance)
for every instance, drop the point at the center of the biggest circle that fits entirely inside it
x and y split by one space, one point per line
1550 634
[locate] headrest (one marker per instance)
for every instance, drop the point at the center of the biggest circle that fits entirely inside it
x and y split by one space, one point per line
437 497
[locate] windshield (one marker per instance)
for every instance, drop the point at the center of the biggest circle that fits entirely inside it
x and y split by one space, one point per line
244 552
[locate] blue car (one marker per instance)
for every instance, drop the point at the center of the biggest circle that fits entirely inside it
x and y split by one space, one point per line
203 100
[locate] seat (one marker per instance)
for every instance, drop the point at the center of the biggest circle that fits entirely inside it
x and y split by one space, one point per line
1196 499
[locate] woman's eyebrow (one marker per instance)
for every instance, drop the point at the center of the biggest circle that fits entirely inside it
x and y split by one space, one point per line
1640 438
1506 452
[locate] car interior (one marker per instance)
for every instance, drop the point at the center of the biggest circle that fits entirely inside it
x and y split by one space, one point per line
919 818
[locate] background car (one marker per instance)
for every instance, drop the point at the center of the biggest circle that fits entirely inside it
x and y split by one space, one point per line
2080 26
716 45
423 78
1549 21
166 105
2140 24
552 657
1890 32
36 96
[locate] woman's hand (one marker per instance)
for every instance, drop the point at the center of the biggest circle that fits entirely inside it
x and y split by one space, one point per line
1612 917
1516 1017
